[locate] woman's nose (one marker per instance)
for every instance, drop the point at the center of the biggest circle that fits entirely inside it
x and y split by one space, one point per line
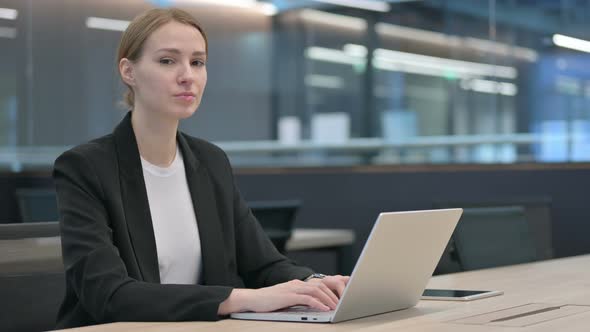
186 74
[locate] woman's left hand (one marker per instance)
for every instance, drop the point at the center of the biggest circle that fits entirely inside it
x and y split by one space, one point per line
334 284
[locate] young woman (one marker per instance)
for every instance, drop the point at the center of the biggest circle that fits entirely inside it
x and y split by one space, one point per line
153 226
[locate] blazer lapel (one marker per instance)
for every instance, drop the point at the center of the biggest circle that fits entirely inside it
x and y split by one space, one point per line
135 201
205 205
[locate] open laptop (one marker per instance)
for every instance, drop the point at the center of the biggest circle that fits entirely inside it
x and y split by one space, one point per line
392 271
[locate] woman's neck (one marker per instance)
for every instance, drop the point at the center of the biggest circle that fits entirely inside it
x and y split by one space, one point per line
155 135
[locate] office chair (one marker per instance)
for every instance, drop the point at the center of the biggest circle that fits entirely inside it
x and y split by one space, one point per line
32 280
493 236
537 212
276 218
37 205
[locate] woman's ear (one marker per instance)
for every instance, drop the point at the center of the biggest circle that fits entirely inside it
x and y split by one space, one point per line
126 71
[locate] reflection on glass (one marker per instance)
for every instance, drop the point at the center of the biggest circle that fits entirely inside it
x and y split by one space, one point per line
319 82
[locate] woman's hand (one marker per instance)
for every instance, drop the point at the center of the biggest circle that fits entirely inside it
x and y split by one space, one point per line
321 294
335 284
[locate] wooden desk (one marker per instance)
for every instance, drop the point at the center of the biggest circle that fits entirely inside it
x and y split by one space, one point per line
557 282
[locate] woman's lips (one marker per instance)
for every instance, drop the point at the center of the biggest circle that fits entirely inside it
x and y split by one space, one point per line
188 97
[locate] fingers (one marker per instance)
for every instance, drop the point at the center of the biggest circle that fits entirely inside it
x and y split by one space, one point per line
329 293
326 295
336 284
320 294
312 302
342 285
319 291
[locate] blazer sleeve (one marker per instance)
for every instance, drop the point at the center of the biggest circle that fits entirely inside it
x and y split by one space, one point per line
94 269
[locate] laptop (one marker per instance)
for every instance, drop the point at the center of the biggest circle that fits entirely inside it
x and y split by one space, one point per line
392 271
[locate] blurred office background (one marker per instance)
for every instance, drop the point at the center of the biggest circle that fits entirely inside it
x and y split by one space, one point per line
300 83
348 107
331 111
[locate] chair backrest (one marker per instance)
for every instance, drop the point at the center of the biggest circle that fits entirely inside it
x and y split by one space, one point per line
32 281
277 219
37 205
537 211
493 236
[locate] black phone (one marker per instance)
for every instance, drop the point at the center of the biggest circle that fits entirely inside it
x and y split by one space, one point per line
457 294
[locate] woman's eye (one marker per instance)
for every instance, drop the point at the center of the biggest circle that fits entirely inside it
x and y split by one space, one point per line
198 63
165 61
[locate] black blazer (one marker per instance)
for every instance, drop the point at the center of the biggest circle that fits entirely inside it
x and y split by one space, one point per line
108 243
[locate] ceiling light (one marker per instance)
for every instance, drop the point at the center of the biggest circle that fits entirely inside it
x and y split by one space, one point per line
378 6
233 3
353 54
444 64
341 21
106 24
268 9
355 50
265 8
324 81
333 55
492 87
8 13
571 43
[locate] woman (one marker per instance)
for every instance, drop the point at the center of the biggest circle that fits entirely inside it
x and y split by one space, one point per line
153 227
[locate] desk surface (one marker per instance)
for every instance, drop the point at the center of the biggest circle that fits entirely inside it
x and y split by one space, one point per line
555 282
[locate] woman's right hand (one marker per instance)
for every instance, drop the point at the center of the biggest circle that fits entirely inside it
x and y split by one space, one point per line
291 293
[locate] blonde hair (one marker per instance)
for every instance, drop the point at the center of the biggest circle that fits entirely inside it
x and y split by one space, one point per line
142 26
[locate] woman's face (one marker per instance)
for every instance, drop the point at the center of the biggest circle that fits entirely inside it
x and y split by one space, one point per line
170 76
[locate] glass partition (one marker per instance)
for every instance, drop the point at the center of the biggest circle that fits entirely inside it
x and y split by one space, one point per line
306 83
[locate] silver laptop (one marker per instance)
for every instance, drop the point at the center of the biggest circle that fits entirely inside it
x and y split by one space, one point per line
392 271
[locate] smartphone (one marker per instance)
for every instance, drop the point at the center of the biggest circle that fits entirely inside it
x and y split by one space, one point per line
457 295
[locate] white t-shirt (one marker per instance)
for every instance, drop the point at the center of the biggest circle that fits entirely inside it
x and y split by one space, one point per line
174 222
